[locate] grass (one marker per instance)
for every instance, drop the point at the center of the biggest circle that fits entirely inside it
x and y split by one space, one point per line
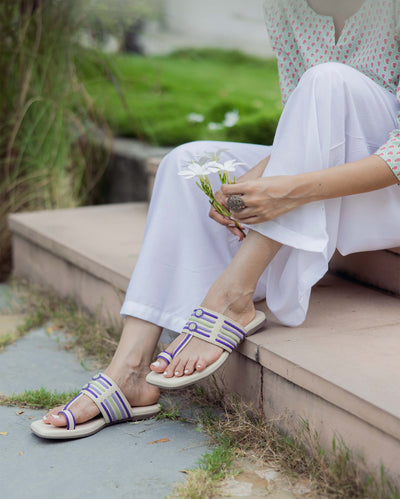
151 97
38 399
213 467
48 158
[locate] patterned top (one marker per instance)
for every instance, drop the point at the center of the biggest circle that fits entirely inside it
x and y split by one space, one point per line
369 42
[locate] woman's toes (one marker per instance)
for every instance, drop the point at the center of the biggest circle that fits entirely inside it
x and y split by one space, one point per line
158 366
180 368
190 367
48 417
201 365
56 420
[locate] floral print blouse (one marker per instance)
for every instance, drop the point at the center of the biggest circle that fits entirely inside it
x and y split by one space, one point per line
369 42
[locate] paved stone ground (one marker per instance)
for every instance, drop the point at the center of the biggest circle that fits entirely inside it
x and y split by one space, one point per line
119 461
131 460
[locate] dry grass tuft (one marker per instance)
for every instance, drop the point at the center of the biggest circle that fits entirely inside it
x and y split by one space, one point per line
198 485
89 336
335 474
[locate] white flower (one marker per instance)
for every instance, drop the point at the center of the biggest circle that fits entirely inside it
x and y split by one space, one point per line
214 155
195 118
230 165
195 169
215 126
231 118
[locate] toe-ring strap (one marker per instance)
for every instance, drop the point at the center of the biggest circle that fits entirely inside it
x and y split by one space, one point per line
214 328
110 400
165 356
71 423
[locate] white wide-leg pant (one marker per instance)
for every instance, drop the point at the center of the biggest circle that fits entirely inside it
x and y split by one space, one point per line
335 115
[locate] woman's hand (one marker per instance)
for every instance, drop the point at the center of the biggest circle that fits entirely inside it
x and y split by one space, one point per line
227 222
254 173
266 198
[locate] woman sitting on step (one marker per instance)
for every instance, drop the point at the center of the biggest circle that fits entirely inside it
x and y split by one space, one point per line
328 182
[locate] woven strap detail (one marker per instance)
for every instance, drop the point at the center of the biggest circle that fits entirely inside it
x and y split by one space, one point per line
108 397
215 328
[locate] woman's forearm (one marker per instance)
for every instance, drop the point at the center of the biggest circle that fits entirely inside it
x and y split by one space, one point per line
365 175
267 198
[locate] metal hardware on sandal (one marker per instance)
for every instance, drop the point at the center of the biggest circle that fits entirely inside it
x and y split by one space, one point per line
235 203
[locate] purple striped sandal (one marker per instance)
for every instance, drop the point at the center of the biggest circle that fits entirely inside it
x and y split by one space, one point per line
214 328
112 403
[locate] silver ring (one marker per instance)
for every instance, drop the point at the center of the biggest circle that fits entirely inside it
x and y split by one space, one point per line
235 203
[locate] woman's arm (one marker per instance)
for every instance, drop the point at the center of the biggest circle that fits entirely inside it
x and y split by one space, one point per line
269 197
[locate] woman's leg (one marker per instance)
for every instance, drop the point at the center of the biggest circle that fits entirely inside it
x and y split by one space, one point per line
174 271
183 251
128 369
232 295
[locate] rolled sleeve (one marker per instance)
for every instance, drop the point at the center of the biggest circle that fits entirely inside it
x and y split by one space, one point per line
390 152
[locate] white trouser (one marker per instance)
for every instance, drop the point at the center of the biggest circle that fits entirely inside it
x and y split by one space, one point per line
335 115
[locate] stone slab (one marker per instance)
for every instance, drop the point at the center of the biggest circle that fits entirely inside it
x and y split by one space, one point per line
102 240
120 461
98 296
346 352
376 268
40 360
295 405
117 462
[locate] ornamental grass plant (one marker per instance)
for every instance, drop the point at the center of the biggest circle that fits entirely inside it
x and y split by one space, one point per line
47 120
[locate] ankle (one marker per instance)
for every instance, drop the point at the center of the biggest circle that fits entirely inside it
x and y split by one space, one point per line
128 368
234 301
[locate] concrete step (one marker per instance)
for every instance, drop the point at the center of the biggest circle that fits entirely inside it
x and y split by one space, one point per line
376 268
339 370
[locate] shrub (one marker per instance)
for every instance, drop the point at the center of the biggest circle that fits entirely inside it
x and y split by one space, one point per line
47 159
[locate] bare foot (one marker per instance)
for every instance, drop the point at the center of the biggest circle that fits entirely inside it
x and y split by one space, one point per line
198 354
132 384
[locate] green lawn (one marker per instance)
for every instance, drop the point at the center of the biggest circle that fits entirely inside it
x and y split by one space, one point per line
151 97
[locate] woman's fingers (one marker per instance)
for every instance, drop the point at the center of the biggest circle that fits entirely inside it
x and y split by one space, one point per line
227 222
219 218
230 189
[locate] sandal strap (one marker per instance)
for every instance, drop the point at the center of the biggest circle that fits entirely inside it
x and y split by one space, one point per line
71 423
215 328
165 356
110 400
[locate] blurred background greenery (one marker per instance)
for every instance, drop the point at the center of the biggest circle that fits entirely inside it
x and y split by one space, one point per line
61 97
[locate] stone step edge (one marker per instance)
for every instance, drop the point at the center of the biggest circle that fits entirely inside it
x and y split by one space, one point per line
321 387
17 225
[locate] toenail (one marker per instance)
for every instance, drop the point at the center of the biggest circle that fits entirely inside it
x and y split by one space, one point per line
198 365
165 373
177 373
155 364
45 418
186 371
55 416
